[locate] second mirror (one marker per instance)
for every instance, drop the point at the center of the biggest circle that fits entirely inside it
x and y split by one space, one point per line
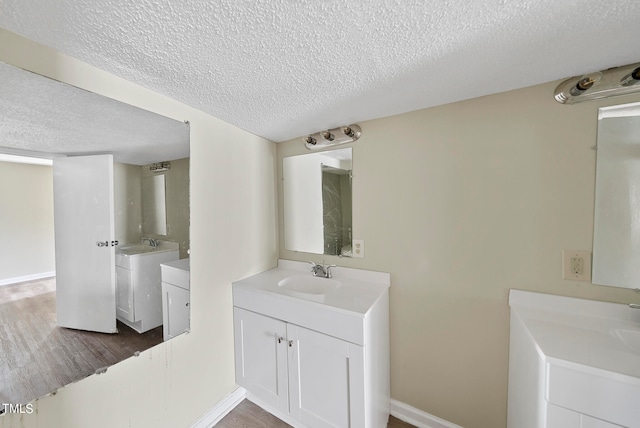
317 202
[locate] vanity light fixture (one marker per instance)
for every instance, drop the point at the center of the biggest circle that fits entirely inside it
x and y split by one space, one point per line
331 137
160 167
602 84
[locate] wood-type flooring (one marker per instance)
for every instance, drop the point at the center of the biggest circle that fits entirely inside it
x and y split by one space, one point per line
248 415
37 357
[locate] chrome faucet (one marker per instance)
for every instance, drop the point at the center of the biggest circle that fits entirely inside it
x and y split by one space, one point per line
321 270
152 242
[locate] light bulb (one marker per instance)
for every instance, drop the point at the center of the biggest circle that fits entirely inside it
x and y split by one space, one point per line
631 78
328 136
586 82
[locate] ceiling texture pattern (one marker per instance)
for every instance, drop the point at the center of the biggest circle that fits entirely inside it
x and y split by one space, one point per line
286 68
43 116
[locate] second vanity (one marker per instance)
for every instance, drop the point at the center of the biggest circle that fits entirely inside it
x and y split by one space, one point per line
573 363
138 283
315 351
176 297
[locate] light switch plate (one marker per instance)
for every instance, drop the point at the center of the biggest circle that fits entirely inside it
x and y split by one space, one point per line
576 265
358 248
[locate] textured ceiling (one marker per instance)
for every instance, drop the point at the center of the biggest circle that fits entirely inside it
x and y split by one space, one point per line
285 68
41 116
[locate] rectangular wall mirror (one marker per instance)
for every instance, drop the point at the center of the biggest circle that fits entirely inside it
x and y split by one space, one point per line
98 290
154 208
616 237
317 202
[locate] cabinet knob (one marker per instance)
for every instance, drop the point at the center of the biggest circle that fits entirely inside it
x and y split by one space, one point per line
280 339
290 343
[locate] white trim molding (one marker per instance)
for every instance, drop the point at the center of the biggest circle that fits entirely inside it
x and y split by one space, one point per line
221 409
34 277
402 411
417 417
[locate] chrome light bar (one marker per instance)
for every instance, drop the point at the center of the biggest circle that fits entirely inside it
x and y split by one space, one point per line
342 135
601 84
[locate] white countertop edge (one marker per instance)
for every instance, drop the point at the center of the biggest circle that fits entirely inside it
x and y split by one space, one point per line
299 301
181 264
591 370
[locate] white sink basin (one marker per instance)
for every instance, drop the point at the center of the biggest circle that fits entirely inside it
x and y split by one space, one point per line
308 284
126 253
136 249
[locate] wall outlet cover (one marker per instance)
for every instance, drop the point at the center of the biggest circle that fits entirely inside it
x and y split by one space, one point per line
358 248
576 265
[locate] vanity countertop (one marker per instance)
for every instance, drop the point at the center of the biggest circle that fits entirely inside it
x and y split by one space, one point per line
344 311
176 272
182 264
128 250
573 362
356 294
598 336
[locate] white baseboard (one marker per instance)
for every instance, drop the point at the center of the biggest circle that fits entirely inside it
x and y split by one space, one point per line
400 410
417 417
221 409
26 278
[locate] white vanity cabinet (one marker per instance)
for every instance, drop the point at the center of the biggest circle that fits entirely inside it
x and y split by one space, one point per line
312 376
138 287
308 362
175 298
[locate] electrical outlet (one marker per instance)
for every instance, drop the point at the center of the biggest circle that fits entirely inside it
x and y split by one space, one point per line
358 248
576 265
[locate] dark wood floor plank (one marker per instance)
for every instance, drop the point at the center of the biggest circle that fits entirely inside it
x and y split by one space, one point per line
37 357
248 415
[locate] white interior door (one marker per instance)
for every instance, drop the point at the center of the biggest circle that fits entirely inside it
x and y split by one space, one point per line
84 241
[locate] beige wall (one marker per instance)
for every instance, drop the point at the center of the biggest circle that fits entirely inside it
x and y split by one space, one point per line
26 221
233 235
460 203
127 203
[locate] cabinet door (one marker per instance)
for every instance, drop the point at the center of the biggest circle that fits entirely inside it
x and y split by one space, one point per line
326 380
176 310
124 294
261 357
